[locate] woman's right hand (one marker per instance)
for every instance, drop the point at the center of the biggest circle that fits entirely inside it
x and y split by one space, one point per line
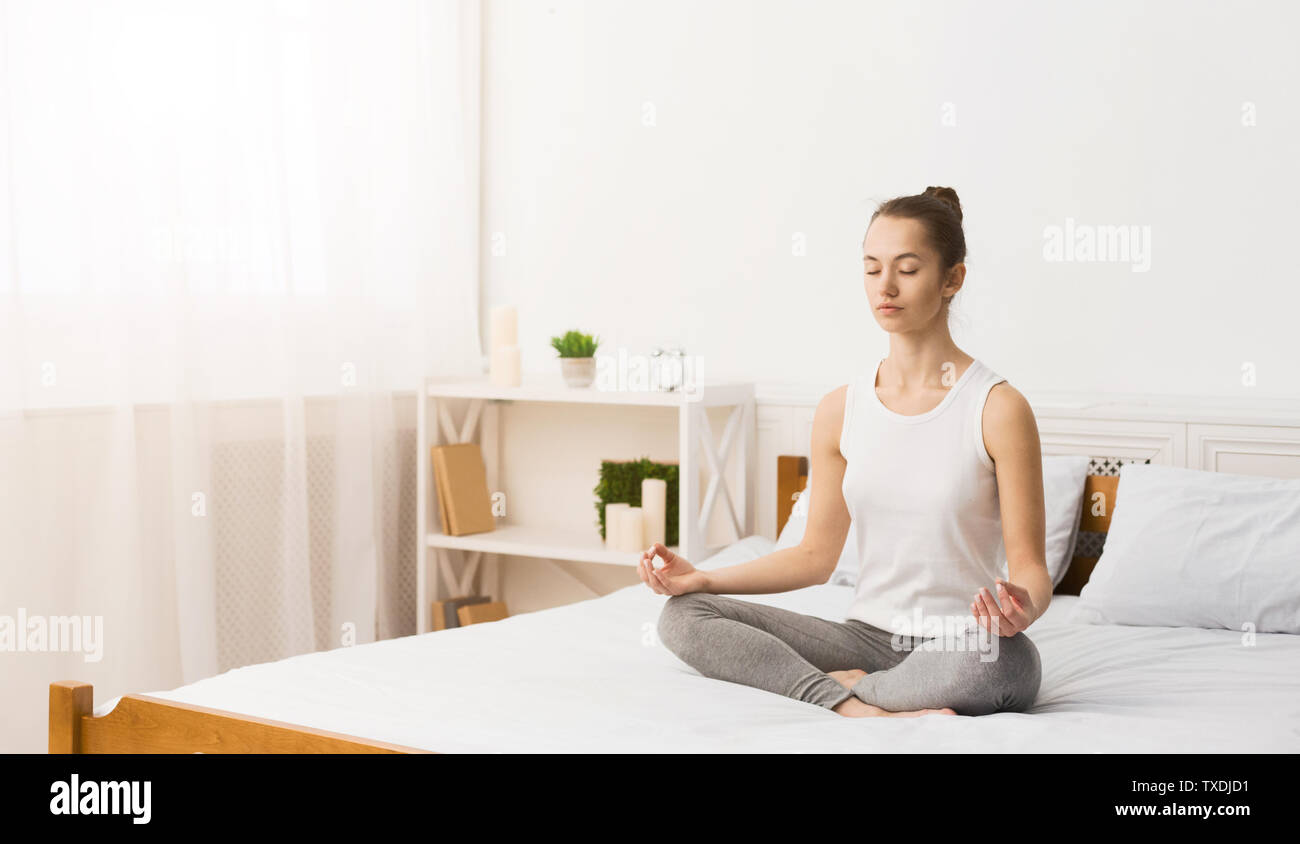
675 577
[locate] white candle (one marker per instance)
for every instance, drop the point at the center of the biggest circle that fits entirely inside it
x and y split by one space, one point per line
613 525
505 326
654 509
620 529
505 366
633 529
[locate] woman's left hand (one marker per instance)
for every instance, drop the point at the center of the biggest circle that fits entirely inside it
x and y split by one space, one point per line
1015 613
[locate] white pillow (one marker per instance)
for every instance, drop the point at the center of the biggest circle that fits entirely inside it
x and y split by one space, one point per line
1063 480
1191 548
1064 476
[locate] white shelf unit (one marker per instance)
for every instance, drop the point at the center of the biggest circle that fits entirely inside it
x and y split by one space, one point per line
482 416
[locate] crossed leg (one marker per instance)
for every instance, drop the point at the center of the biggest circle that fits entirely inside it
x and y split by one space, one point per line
961 672
777 650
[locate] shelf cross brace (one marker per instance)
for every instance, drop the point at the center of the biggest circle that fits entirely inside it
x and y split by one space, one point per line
467 428
718 460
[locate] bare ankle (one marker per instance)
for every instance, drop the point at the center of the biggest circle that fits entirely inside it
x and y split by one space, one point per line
851 707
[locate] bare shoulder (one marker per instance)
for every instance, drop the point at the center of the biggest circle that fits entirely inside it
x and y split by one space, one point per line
834 400
1009 425
828 421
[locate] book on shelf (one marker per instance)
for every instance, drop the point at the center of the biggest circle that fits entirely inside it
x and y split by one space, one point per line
478 613
445 613
460 478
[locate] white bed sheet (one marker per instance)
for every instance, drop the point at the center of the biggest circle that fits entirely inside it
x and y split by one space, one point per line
592 677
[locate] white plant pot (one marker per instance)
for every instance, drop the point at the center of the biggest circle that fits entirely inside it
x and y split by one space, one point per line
578 372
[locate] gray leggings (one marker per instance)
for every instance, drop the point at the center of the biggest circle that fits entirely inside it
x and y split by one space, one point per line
789 653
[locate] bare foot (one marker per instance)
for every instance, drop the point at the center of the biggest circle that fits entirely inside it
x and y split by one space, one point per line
854 708
848 678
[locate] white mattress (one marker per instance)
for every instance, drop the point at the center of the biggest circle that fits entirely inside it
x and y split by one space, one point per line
591 677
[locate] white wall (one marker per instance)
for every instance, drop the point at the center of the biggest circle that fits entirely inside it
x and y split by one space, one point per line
777 118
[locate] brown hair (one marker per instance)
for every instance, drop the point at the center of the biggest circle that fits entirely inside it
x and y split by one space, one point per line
939 210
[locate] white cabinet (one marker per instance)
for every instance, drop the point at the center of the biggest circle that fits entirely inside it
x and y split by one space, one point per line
696 451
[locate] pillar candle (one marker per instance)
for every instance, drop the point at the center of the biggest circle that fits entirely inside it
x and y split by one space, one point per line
505 366
654 510
612 525
505 326
620 529
633 529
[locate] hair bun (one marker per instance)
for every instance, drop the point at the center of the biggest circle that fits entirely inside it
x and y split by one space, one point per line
948 195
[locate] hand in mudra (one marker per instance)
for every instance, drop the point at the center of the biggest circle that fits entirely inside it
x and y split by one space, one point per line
1015 613
675 577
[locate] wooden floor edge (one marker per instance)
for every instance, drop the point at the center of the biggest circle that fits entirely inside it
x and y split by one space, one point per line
144 724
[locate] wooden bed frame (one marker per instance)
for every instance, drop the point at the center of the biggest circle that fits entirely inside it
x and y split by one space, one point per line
143 724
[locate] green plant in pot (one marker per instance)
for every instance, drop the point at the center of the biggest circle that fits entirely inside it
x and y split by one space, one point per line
577 357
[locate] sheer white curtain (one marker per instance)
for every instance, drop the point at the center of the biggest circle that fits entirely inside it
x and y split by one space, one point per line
233 236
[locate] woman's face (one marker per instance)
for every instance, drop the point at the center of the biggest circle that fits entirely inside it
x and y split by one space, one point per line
901 269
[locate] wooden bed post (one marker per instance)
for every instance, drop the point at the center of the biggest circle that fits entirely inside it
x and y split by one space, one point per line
69 702
143 724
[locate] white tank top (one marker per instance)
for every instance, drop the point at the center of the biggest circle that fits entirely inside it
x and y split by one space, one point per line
923 496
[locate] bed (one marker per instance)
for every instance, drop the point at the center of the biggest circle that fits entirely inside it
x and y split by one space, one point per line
592 677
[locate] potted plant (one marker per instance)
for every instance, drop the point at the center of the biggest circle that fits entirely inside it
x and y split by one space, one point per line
577 357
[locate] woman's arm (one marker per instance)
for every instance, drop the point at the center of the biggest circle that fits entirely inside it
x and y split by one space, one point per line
811 561
1011 438
779 571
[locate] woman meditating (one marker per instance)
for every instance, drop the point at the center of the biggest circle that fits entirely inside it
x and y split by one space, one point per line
937 461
